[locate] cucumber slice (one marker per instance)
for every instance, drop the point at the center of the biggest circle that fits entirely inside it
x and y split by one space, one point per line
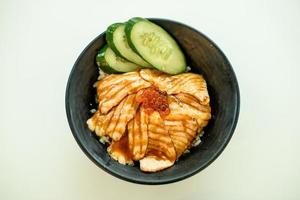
107 60
117 41
155 45
101 62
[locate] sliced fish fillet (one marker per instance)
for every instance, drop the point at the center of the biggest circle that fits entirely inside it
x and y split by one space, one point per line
114 123
138 135
112 89
99 123
93 121
182 128
160 153
182 110
153 164
123 113
192 101
114 79
182 134
202 113
119 150
193 84
161 80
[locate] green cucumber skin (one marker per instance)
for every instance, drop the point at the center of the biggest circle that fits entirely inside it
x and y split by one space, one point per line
109 62
128 28
129 25
110 41
101 62
109 37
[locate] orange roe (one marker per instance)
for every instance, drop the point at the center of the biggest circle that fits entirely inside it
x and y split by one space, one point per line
152 99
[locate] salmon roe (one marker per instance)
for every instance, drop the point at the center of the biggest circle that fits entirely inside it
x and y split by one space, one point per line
152 99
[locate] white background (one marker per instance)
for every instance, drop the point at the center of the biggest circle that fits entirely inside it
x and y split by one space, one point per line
39 43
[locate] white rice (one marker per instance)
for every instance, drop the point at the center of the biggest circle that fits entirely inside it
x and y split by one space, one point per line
93 110
102 74
104 140
188 68
195 142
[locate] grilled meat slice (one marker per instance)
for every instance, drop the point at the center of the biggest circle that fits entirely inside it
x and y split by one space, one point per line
138 135
112 89
119 150
160 153
114 123
193 84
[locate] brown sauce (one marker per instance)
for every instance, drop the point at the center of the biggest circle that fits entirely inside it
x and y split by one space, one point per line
158 155
122 147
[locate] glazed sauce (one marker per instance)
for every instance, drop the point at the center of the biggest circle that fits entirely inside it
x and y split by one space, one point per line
158 155
152 99
121 147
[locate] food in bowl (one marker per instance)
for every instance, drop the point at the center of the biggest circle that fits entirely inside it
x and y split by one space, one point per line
150 110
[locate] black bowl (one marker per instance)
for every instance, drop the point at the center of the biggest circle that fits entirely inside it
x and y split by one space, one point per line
205 58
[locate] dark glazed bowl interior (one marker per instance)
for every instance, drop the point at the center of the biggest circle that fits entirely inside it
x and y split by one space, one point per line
204 57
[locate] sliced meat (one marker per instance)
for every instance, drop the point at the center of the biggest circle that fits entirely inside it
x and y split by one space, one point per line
192 101
159 79
153 164
115 79
93 121
202 113
129 114
193 84
182 132
113 89
123 113
187 117
119 150
182 110
137 134
114 123
99 123
160 153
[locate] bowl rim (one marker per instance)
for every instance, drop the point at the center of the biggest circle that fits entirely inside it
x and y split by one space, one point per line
167 180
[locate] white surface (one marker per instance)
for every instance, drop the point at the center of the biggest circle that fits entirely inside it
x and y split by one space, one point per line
40 41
